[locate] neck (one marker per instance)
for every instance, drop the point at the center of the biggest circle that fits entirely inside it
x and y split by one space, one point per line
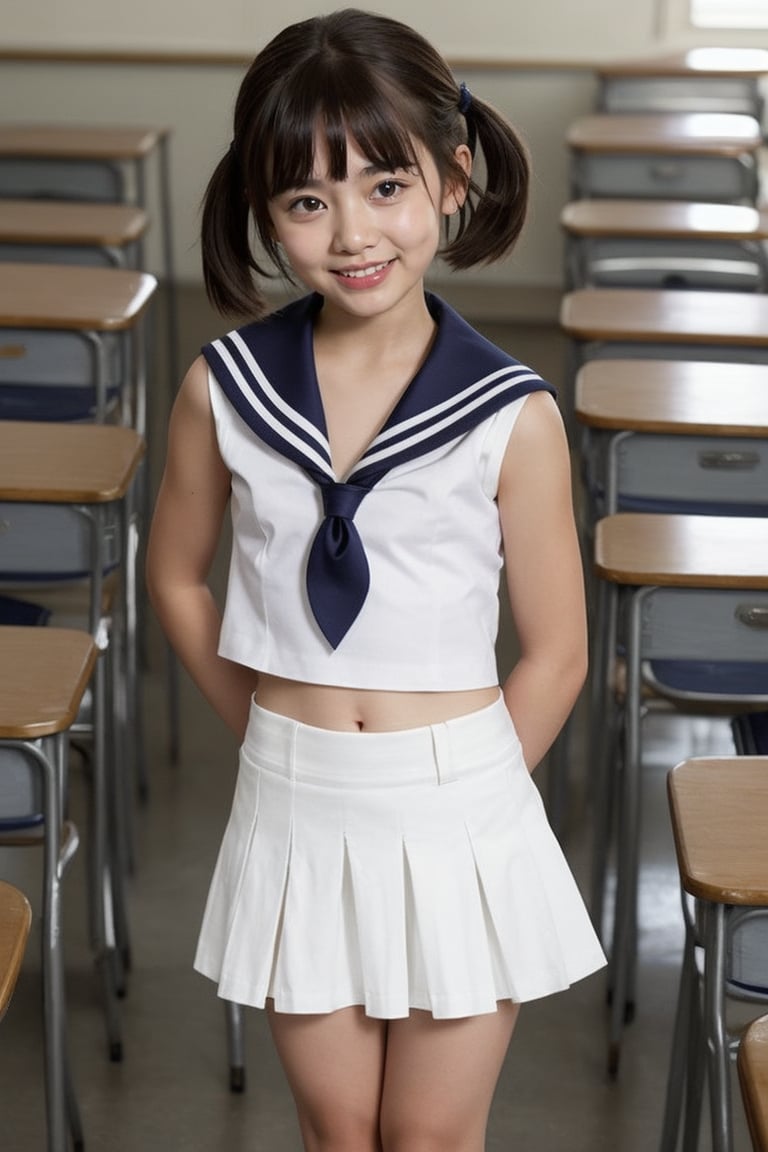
408 326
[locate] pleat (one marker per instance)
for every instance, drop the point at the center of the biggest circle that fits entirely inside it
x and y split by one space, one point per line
316 957
539 930
256 900
450 926
379 916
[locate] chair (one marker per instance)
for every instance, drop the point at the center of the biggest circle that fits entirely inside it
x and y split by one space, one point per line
712 157
44 674
15 923
65 507
753 1076
685 594
723 866
699 80
632 243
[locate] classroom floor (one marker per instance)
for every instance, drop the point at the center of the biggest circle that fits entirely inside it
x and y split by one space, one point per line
171 1090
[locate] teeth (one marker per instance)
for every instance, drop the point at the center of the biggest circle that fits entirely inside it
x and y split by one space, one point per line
360 273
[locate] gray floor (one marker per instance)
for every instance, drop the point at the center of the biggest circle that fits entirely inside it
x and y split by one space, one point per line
171 1090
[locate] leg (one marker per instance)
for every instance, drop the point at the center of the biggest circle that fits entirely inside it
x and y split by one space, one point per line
334 1064
439 1080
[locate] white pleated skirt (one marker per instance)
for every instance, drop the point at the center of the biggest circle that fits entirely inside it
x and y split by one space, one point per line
396 870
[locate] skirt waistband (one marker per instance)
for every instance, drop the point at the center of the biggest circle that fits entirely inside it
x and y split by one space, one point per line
435 753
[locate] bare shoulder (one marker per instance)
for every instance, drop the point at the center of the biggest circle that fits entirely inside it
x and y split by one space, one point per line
193 392
538 440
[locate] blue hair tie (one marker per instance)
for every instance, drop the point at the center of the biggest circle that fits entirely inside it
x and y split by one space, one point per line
465 99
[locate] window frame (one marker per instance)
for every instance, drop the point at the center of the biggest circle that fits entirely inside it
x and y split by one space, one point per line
675 24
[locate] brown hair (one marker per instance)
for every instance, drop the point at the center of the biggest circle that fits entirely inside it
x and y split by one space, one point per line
384 84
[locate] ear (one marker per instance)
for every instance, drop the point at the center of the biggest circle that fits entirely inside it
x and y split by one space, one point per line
455 191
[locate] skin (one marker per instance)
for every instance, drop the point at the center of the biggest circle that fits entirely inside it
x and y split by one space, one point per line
360 1084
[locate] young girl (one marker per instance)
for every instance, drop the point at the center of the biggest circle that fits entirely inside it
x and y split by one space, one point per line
388 886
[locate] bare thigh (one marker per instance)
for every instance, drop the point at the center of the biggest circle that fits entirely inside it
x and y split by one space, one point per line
334 1064
439 1080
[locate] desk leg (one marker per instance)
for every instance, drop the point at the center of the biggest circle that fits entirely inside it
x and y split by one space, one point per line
718 1056
625 916
602 745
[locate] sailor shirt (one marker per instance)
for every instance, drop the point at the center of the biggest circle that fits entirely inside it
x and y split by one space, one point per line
422 529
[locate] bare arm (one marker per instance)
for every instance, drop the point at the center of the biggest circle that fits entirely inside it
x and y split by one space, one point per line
544 577
184 534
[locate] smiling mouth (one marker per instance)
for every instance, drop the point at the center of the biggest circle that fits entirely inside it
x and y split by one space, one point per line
362 273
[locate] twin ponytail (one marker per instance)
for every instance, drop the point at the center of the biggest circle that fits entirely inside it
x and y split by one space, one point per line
494 213
228 261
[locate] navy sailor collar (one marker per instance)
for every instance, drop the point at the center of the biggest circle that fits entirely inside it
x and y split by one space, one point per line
267 371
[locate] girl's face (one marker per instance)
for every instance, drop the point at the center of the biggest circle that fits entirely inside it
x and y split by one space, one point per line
365 242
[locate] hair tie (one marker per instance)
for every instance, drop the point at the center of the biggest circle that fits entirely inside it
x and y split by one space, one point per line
465 99
233 151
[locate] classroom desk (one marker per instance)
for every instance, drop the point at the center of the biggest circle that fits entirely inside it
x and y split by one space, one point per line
51 159
753 1075
690 156
45 230
94 313
723 864
659 324
618 399
697 80
88 468
688 244
15 923
647 557
44 673
699 321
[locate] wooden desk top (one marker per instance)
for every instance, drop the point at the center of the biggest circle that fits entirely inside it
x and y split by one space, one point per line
644 548
719 810
656 316
705 62
690 133
663 219
15 923
79 141
67 463
72 296
43 675
69 222
753 1075
686 397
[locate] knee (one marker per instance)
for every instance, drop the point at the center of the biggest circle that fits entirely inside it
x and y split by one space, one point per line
424 1137
339 1133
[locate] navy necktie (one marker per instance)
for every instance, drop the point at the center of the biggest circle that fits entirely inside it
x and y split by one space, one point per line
267 371
338 577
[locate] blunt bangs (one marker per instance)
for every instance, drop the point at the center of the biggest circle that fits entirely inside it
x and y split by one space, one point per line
338 105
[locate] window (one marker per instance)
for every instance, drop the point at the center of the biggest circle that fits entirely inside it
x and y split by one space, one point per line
729 13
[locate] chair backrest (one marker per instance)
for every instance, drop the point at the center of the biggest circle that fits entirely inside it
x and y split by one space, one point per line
50 543
713 475
747 954
706 644
38 177
738 94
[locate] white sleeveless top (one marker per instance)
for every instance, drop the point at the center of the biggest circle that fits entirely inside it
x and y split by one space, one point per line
429 524
433 542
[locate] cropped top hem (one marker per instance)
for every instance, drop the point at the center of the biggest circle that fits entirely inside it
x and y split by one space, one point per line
430 677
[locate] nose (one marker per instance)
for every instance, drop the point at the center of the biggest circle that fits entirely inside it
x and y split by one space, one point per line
354 228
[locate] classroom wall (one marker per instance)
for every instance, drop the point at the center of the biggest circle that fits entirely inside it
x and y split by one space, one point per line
555 40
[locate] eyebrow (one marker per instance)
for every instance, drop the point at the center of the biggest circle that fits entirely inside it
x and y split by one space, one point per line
364 174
